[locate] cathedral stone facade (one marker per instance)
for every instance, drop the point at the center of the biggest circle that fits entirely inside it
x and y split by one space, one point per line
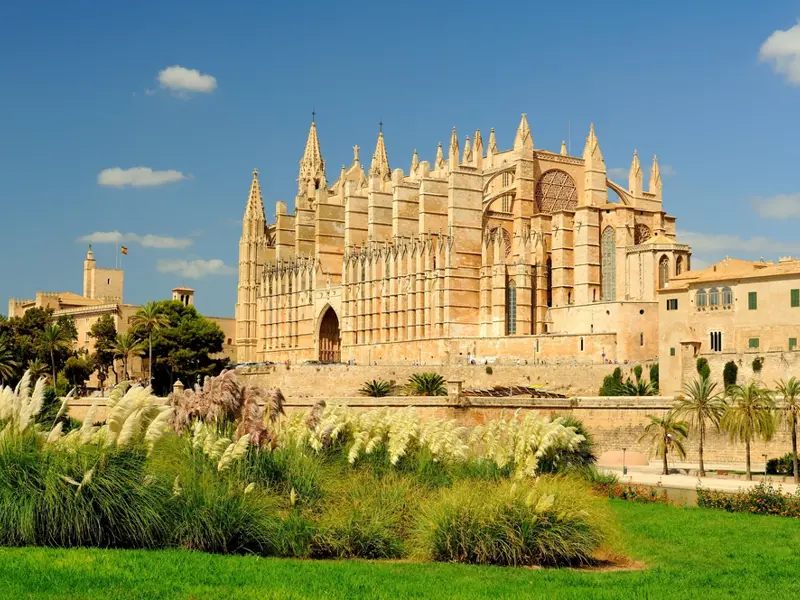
512 255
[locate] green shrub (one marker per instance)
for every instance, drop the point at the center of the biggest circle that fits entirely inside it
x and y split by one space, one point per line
654 377
637 372
781 466
612 488
703 368
611 383
367 518
729 374
552 522
758 364
284 470
564 460
489 370
762 499
427 384
376 389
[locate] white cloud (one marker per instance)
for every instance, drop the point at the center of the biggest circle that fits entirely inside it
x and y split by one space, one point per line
181 79
194 269
720 244
782 49
621 173
148 240
138 177
782 206
667 171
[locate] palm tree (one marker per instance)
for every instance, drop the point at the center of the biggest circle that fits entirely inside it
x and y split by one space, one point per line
149 318
701 404
37 369
666 434
55 339
790 390
126 346
748 416
7 362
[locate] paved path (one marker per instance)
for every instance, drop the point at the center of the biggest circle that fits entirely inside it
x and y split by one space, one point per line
653 476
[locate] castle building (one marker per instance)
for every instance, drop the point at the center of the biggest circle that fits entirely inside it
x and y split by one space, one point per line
483 254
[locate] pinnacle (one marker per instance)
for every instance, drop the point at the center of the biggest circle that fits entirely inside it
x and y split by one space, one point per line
523 138
380 160
255 203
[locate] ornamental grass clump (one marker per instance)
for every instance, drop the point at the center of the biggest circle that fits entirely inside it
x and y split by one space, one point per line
549 522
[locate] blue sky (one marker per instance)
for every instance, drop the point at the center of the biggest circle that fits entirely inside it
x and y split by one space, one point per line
712 88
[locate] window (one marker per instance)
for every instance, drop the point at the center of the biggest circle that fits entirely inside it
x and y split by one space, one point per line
727 296
608 268
700 298
511 308
753 343
752 300
663 272
507 204
713 298
716 341
672 304
363 271
679 265
672 351
581 344
795 298
641 339
792 344
549 279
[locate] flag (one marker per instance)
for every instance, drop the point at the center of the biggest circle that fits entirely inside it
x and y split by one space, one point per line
123 249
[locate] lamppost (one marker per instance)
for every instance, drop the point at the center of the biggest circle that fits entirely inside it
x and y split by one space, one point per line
765 467
624 466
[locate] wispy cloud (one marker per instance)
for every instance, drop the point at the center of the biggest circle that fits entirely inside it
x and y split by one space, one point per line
138 177
194 269
621 173
618 173
180 79
782 49
147 240
706 244
667 171
782 206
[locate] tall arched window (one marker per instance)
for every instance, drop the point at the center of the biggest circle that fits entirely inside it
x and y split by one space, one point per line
511 308
549 276
679 265
663 272
713 297
700 298
608 269
727 296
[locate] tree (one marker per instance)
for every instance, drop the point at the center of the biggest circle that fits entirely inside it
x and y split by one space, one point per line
702 368
665 435
654 377
37 368
8 364
55 339
126 346
790 390
729 374
749 415
701 405
148 319
104 332
78 369
637 372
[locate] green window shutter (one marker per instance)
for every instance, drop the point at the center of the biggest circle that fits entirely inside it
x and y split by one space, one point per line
792 343
752 300
753 343
672 351
795 298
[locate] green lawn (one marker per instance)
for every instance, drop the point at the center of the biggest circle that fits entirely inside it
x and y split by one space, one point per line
690 553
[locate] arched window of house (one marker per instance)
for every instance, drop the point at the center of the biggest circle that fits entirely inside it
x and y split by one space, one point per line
727 296
511 308
608 268
549 275
700 298
713 297
663 272
679 265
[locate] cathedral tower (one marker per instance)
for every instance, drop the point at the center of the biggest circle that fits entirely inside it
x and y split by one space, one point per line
252 247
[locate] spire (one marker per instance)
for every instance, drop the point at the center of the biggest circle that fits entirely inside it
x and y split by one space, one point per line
591 151
523 139
655 179
563 148
90 253
414 162
312 167
452 152
635 176
595 189
467 152
492 150
380 161
439 158
478 161
255 204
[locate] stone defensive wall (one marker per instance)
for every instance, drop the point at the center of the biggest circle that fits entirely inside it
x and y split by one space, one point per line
613 422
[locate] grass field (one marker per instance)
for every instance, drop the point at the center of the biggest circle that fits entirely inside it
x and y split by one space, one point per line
689 553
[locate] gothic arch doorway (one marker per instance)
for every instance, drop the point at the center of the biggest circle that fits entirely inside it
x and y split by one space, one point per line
330 342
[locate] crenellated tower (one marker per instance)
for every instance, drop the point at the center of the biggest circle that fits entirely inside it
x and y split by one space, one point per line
252 247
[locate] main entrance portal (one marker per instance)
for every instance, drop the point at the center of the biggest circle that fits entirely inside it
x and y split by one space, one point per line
329 338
